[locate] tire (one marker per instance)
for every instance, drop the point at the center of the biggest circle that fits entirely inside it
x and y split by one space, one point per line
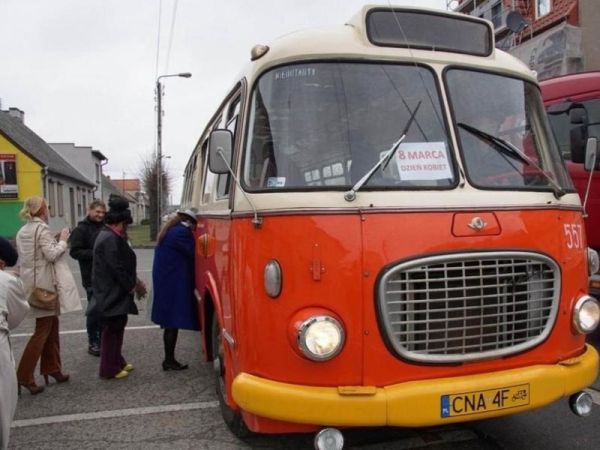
232 418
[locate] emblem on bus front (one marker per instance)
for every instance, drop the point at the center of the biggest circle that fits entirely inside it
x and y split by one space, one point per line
477 224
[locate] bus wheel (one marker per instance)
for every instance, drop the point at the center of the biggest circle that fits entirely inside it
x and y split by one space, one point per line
233 419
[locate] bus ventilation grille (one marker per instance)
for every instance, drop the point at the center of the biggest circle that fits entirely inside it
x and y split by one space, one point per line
470 306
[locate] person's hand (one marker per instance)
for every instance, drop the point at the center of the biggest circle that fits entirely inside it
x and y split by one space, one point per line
140 289
64 234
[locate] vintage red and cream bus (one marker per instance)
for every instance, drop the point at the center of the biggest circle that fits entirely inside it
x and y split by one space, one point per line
387 235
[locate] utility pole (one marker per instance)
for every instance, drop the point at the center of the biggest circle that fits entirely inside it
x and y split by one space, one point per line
158 154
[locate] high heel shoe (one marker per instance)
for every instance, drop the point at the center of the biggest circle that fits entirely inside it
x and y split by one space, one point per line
58 377
33 388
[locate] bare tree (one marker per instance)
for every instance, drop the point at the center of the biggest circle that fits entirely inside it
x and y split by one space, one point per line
148 176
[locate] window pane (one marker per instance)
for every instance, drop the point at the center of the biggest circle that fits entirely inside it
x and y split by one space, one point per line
325 125
429 31
543 7
52 198
61 203
514 115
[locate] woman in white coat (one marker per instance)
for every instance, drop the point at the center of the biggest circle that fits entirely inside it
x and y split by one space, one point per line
43 265
13 308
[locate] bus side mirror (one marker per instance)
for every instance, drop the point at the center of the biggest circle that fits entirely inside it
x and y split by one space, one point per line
220 151
578 133
578 137
591 154
578 115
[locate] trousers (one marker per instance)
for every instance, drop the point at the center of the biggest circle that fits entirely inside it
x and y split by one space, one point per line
44 344
93 324
111 357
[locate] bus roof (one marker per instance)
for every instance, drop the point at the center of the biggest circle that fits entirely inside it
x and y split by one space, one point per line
575 86
350 42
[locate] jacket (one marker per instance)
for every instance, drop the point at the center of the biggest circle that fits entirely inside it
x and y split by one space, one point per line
113 276
82 246
174 303
51 272
13 306
13 309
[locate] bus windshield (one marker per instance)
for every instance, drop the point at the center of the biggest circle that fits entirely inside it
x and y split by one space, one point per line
325 125
504 134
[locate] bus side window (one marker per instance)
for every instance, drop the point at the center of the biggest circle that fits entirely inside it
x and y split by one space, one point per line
207 176
224 180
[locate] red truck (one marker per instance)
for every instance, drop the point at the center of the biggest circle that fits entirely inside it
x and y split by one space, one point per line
573 105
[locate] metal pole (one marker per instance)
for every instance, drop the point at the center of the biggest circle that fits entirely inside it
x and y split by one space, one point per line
158 154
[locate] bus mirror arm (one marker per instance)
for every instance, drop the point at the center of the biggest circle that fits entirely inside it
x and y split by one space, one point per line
591 158
256 220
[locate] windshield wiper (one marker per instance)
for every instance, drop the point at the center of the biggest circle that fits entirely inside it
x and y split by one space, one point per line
506 148
350 195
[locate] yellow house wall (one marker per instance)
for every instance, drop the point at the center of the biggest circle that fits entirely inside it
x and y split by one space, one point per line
29 181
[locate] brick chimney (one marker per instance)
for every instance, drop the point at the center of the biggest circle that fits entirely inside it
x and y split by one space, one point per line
17 113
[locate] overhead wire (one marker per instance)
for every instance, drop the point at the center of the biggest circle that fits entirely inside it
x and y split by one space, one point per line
427 91
158 38
172 33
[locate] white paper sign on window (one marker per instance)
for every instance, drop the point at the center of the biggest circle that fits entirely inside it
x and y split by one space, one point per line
423 161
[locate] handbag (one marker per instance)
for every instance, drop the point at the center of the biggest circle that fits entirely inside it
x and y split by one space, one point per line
41 298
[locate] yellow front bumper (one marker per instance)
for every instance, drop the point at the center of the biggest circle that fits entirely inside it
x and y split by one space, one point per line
410 404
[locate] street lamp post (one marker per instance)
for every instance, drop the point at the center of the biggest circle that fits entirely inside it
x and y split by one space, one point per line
159 143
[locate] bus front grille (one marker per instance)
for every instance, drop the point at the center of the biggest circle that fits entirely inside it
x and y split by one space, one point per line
470 306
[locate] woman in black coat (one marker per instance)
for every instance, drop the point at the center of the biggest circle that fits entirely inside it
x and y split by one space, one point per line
114 283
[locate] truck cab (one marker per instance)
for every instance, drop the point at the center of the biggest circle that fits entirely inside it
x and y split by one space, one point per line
573 105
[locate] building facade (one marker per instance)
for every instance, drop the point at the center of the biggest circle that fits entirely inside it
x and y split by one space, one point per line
29 166
86 160
132 187
553 37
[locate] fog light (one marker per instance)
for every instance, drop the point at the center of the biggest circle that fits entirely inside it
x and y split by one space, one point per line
320 338
581 403
586 314
329 439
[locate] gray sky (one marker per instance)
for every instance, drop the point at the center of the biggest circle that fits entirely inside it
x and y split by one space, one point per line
84 71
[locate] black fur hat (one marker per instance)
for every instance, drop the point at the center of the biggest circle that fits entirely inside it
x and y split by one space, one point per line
118 210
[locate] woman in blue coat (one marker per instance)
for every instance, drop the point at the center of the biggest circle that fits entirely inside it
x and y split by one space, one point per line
174 304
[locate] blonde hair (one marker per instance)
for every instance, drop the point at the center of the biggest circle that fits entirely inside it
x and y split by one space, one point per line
32 207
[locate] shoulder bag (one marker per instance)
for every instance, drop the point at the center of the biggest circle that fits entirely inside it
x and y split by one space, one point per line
41 298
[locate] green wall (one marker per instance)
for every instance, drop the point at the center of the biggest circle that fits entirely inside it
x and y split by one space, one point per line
9 218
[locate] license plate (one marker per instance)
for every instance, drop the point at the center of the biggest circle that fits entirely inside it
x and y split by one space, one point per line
477 402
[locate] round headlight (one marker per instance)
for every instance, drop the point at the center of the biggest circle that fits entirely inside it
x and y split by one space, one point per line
320 338
593 261
586 315
272 278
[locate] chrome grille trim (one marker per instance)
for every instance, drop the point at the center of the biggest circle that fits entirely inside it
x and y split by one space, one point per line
468 306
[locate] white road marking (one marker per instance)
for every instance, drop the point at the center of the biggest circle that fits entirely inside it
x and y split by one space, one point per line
141 327
49 420
595 395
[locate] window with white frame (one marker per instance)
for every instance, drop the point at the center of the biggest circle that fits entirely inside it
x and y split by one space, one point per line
52 198
542 7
